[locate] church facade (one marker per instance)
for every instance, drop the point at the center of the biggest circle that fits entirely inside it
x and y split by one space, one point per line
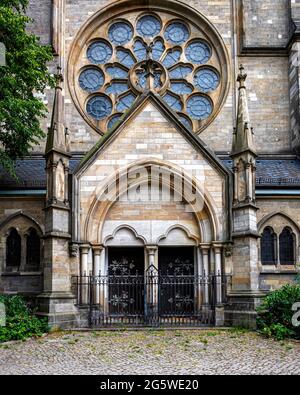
166 191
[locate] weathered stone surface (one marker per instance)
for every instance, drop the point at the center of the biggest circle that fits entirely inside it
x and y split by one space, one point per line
200 352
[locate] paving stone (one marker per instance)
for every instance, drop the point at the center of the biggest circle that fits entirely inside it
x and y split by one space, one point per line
151 352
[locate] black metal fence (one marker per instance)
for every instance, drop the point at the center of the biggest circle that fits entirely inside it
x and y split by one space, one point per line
152 299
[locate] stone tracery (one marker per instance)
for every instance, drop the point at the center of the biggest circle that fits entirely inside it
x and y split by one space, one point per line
111 74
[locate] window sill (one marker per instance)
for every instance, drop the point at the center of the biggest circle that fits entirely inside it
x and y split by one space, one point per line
284 269
10 274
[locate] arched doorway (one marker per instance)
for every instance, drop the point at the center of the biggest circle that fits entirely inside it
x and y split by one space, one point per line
155 260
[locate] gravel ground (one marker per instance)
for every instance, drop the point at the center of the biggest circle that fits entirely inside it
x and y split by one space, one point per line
151 352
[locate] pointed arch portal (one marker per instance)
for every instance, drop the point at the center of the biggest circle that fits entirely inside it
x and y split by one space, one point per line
152 269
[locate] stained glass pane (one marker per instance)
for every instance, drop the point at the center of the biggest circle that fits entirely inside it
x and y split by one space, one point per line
181 88
113 120
115 88
141 76
99 107
13 249
199 107
117 72
148 26
181 71
99 52
173 101
206 80
172 57
177 33
158 49
268 240
120 33
125 57
186 122
139 50
33 250
125 102
91 79
286 246
198 52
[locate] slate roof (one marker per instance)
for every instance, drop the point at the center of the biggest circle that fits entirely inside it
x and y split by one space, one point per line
275 172
270 173
31 174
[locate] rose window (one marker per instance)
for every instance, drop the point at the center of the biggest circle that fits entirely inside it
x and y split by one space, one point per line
140 51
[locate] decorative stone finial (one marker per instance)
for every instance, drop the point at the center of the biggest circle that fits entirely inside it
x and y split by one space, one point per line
56 139
58 77
243 133
242 76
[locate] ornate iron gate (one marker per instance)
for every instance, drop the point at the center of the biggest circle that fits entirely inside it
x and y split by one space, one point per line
151 299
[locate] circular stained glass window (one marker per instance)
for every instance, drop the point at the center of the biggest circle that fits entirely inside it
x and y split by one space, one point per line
177 33
99 52
99 107
120 33
198 52
206 80
199 107
142 51
148 26
91 79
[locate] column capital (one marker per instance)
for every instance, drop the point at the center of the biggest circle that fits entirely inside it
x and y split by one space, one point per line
151 249
217 246
97 248
205 247
84 248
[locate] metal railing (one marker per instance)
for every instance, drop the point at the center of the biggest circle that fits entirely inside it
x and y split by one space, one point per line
152 299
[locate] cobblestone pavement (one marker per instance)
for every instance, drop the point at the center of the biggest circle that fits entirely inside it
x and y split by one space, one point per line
151 352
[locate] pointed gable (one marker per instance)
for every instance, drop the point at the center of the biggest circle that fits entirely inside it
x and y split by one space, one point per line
150 118
151 134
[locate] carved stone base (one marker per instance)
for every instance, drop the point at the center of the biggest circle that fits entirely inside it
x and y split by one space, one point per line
59 308
240 310
219 316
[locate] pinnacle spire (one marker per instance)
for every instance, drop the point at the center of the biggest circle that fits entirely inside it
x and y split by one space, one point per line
243 132
56 139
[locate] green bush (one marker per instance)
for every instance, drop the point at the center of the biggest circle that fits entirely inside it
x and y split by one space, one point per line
21 323
275 313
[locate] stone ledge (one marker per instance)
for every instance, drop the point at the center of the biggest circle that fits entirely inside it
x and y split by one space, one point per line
15 274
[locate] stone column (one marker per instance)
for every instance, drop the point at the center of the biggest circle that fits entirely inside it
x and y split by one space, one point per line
205 248
235 192
84 252
219 308
218 272
66 190
199 279
152 282
84 275
97 280
248 182
277 250
151 251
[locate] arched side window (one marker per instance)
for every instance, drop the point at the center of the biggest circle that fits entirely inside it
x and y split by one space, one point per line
13 249
33 250
268 247
287 247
